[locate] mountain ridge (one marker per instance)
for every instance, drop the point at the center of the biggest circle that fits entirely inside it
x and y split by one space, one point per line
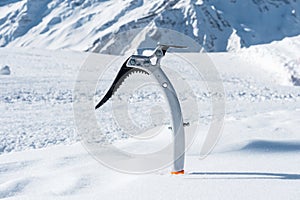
87 25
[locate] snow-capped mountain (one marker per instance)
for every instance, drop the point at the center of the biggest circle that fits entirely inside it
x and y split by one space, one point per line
257 155
91 24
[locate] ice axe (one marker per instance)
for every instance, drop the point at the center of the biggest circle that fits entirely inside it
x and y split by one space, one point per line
151 65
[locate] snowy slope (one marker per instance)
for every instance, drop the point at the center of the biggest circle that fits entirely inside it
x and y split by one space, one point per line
258 150
263 73
35 97
68 172
255 158
85 24
41 156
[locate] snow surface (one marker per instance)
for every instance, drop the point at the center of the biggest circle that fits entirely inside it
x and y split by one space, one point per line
255 158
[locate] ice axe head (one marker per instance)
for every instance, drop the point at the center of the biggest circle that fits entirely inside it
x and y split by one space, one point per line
136 63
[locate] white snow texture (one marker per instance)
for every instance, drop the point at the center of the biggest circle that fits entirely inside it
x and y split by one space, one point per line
255 47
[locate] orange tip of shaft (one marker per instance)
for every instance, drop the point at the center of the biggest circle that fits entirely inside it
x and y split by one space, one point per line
178 172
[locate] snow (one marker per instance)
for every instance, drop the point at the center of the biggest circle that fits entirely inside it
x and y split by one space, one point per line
41 156
88 24
68 172
41 81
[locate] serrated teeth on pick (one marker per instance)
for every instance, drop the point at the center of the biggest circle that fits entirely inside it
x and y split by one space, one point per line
125 76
